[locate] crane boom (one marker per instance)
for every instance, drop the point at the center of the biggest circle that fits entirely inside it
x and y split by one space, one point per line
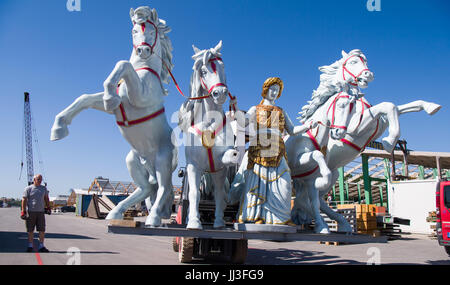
28 138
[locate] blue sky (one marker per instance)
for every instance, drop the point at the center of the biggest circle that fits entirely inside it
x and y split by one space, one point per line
58 55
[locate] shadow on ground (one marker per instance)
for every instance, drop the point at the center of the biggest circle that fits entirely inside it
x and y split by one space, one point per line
16 241
284 257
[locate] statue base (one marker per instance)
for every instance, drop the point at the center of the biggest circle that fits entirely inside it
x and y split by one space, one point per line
265 228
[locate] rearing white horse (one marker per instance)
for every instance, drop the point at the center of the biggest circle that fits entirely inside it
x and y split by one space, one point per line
367 123
209 136
134 93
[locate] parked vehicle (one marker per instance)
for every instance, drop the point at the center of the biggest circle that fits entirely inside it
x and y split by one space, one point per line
443 214
68 209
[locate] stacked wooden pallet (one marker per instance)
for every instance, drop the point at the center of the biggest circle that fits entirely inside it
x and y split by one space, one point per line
130 214
392 231
349 214
366 217
432 218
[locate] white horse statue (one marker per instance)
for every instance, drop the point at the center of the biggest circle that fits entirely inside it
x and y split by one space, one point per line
209 136
367 123
134 93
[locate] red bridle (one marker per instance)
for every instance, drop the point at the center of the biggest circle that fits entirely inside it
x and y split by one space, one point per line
210 89
145 43
355 77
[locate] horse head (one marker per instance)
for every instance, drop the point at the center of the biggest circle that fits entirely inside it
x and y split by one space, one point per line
208 78
354 69
151 43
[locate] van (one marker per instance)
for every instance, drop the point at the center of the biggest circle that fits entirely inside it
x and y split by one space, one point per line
443 214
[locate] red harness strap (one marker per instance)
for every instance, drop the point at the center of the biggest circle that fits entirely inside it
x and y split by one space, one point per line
357 148
212 166
306 173
317 146
126 122
333 126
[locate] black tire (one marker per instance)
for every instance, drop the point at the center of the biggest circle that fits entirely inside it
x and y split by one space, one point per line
240 249
175 245
186 250
447 249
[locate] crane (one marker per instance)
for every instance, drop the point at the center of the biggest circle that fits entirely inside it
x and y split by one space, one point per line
27 138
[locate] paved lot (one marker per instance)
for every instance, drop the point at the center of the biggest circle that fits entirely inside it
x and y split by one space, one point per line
97 247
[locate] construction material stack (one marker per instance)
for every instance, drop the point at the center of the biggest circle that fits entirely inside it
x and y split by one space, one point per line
366 219
432 218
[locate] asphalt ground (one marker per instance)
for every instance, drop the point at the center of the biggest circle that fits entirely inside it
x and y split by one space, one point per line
76 240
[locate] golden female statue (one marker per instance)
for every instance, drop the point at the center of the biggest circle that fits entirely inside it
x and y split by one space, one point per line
267 180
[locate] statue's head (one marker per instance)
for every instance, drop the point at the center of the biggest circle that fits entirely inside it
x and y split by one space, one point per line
272 88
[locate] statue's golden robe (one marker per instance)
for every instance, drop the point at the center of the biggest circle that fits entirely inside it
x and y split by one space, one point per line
268 148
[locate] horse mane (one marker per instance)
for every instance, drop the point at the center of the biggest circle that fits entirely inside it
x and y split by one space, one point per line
166 50
331 82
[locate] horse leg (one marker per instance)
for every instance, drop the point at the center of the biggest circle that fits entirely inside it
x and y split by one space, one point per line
162 207
419 105
194 177
135 89
220 197
140 177
323 181
301 213
388 111
343 224
320 226
64 118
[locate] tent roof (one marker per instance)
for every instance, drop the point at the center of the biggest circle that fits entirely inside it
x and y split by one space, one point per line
424 158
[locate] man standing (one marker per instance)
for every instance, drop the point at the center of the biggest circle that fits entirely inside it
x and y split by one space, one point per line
36 202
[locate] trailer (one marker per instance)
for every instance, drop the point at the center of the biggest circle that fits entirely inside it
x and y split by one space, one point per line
230 242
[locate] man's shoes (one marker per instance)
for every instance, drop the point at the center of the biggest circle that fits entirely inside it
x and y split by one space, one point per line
44 249
29 249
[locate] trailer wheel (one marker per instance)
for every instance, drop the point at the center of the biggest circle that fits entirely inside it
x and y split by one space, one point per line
175 245
239 253
447 249
186 250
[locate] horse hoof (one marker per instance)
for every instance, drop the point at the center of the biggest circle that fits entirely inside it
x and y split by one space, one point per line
114 215
111 102
58 133
153 221
432 108
387 145
194 225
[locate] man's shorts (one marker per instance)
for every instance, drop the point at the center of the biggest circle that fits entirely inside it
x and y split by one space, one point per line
35 219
